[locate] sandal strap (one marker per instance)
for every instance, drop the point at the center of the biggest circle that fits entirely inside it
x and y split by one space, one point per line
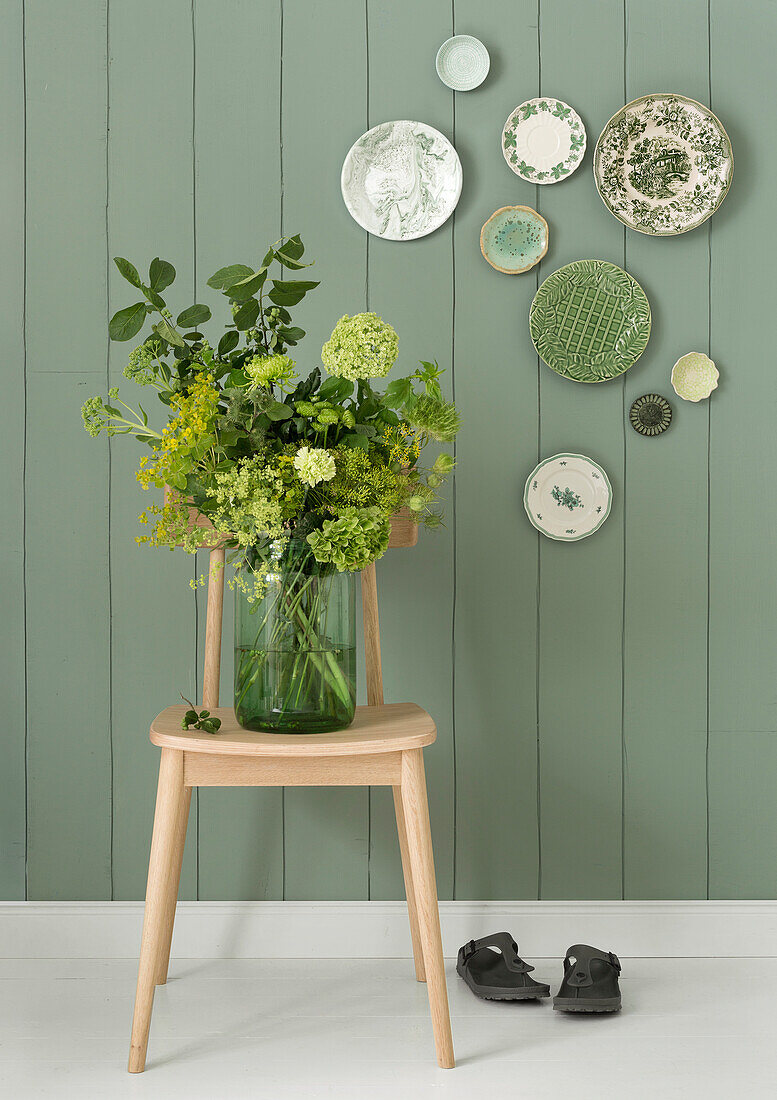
503 942
584 956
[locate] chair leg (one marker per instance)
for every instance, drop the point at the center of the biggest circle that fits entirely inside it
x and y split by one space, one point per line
171 900
419 846
412 912
161 872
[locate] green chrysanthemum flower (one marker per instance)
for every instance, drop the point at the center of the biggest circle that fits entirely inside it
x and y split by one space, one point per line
350 542
325 417
437 418
305 408
363 346
314 464
266 370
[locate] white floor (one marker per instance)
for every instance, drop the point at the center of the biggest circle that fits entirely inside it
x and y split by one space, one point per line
286 1029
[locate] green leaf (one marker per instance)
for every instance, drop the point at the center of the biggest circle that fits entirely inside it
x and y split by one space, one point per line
127 322
353 441
160 274
193 336
291 335
246 288
128 270
193 316
398 393
226 276
167 332
228 342
294 285
293 247
337 388
153 297
268 258
246 315
278 411
238 378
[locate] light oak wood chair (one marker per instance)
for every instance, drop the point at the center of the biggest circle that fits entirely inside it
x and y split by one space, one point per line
384 746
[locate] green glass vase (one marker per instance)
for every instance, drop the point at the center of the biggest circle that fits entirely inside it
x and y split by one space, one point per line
295 648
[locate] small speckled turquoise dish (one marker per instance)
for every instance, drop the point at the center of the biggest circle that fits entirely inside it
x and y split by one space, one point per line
462 63
514 239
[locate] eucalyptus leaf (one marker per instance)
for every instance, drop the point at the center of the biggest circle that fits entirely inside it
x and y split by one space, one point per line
164 329
155 299
127 322
226 276
246 288
228 342
293 247
193 316
247 314
160 274
278 411
128 270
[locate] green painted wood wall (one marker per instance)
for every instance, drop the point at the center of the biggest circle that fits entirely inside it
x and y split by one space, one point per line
607 710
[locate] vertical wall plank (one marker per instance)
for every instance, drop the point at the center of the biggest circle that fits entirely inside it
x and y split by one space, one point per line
665 712
69 767
12 410
496 549
581 584
743 451
150 214
237 217
323 112
410 284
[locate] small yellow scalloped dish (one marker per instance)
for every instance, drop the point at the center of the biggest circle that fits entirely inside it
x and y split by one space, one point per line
694 376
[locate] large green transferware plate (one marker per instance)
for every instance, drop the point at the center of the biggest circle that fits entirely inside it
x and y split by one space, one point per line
590 321
663 164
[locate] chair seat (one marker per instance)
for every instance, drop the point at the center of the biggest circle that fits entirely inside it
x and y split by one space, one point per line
393 727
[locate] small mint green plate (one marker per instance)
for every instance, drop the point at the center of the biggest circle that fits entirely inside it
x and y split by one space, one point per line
514 239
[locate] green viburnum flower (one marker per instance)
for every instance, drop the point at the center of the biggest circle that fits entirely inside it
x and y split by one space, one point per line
140 367
96 415
314 464
437 418
363 346
269 369
351 541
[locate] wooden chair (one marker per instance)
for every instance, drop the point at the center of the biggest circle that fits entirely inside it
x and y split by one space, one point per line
384 746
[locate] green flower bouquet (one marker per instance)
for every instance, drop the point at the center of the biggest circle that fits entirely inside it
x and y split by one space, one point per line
298 476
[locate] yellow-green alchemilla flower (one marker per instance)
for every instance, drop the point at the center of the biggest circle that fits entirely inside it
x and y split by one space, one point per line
140 367
314 464
363 346
265 370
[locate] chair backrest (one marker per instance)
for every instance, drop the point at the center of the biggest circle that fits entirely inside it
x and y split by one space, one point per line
404 533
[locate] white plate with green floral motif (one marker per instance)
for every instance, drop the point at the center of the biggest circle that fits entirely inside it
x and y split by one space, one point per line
663 164
401 180
543 140
567 497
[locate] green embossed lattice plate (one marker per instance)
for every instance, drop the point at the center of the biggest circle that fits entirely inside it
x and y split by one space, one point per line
590 321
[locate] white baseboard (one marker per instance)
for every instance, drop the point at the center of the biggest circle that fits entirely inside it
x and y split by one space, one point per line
379 929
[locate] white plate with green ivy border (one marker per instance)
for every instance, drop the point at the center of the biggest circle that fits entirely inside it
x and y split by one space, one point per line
543 140
567 497
663 164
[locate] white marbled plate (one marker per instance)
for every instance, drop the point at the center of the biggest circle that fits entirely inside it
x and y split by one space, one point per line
401 180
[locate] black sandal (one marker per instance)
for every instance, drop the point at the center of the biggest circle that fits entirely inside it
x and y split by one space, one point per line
590 982
498 977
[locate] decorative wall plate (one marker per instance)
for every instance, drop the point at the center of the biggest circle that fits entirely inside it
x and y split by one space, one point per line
462 63
401 180
663 164
514 239
567 497
543 140
590 321
650 414
694 376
